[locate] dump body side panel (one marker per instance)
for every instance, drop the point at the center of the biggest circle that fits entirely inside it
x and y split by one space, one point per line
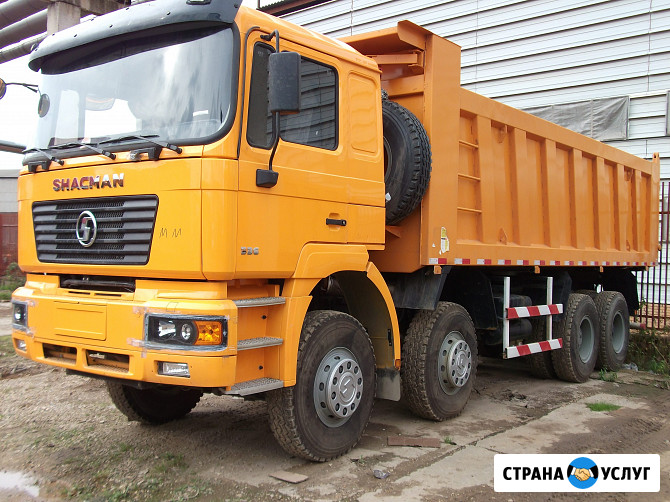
507 188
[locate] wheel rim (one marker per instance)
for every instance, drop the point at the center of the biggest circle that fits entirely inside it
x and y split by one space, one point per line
454 364
585 340
618 333
338 387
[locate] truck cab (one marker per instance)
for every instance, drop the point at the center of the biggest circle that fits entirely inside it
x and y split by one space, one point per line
155 257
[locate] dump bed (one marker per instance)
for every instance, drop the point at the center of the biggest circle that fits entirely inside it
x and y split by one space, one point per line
507 188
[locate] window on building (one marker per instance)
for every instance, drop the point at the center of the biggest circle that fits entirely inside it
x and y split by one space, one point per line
603 119
315 124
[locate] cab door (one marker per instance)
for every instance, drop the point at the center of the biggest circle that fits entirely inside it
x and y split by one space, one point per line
309 201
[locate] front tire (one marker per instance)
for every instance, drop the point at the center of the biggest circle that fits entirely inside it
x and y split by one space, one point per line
439 362
155 405
581 338
324 415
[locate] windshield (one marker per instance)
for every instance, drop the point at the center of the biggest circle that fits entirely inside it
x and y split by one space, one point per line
175 87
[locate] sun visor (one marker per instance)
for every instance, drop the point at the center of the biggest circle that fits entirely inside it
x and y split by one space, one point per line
152 15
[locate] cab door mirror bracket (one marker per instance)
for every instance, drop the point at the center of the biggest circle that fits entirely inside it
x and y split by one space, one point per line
283 97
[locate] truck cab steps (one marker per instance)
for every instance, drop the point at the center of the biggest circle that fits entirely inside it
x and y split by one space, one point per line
257 343
260 302
255 386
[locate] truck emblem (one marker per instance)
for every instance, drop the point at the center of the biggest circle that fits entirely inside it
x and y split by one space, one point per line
87 229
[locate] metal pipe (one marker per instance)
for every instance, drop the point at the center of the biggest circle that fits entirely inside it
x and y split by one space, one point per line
12 11
8 146
32 25
21 49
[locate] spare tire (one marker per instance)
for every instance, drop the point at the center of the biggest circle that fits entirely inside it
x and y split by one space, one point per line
407 162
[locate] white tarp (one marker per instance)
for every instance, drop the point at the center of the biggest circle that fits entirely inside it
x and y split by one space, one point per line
602 119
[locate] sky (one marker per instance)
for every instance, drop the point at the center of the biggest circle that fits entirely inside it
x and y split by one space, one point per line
18 109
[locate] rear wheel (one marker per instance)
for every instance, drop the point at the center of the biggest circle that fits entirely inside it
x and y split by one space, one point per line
614 330
155 405
579 329
324 415
439 362
540 364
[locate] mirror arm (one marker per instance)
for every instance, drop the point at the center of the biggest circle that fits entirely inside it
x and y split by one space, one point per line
267 178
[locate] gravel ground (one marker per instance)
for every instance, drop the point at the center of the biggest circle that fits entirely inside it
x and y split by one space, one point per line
62 439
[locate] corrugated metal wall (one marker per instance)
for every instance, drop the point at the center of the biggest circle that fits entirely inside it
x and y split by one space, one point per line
540 52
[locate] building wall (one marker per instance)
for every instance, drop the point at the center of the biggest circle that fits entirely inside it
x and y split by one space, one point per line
529 53
8 182
8 218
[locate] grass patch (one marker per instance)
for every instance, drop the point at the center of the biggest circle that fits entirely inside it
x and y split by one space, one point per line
170 461
6 346
602 406
650 351
608 376
450 441
12 279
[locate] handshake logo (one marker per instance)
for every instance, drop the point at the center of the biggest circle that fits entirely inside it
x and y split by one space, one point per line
582 473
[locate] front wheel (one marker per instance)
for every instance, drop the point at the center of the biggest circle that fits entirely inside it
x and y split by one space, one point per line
155 405
439 362
324 415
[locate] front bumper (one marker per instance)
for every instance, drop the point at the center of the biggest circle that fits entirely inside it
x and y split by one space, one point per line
103 334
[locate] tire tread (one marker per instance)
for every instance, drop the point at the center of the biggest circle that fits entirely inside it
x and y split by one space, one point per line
420 164
413 370
563 363
280 402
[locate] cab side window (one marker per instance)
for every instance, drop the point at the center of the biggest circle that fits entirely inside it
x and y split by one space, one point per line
259 126
315 124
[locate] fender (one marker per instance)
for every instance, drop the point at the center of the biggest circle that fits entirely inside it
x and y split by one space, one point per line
366 292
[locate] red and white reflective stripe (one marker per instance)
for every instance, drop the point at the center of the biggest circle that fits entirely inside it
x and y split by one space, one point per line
541 263
534 311
534 348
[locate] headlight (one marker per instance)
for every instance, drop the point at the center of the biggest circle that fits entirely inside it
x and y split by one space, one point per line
186 330
19 315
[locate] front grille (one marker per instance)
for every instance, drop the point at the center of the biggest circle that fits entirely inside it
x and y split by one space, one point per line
125 227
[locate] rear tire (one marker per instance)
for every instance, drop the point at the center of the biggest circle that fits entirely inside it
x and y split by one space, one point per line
439 362
155 405
614 330
581 338
541 364
324 415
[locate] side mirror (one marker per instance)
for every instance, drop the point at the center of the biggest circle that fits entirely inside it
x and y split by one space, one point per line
284 82
283 97
3 88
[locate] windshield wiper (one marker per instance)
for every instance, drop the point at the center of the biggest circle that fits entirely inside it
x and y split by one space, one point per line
32 166
145 137
91 147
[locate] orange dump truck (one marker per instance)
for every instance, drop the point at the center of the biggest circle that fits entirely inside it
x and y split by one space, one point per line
218 201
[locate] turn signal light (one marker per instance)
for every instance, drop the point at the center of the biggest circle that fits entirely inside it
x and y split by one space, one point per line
209 333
